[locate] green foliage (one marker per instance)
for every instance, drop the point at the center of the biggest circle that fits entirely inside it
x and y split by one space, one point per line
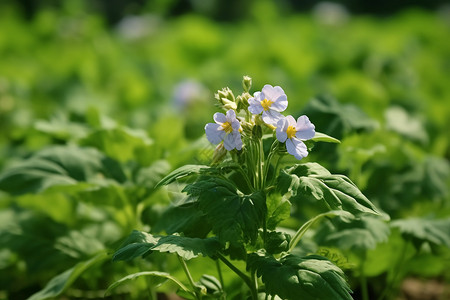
421 231
59 165
63 281
315 182
155 279
356 234
292 277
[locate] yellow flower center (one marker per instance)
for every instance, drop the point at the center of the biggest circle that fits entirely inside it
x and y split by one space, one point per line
291 131
227 127
266 104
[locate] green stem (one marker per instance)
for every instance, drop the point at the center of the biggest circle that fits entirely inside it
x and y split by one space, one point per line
363 279
244 277
389 286
219 271
299 234
189 277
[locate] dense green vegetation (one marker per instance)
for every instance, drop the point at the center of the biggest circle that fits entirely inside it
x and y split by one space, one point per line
93 117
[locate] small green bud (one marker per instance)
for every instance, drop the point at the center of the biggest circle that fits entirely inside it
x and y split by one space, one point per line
257 131
219 154
226 98
246 83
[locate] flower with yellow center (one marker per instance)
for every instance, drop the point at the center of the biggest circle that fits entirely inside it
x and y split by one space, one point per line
294 133
270 102
227 129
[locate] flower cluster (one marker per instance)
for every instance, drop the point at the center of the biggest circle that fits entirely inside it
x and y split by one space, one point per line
265 105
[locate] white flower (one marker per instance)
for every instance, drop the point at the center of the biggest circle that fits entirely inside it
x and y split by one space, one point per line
293 133
270 102
225 129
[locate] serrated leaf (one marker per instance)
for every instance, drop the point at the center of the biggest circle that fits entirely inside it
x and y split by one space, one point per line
137 244
278 209
59 165
60 283
235 217
181 172
308 278
425 230
157 279
312 181
188 247
322 137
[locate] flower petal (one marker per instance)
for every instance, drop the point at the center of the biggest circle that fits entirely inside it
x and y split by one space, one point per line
280 104
220 118
255 106
272 93
305 129
282 126
214 133
232 140
297 148
231 115
271 117
281 135
290 121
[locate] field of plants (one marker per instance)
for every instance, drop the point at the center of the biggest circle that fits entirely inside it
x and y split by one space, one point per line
279 156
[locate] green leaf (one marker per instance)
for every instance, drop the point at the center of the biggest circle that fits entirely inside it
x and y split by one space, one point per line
308 278
322 137
181 172
122 144
59 165
425 230
335 118
362 233
137 244
185 218
60 283
140 243
235 217
278 209
312 181
187 247
156 279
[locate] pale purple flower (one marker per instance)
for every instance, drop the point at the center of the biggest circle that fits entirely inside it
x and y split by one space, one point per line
271 101
225 129
293 133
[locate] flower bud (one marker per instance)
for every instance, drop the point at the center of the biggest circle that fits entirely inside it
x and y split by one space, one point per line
246 83
226 98
219 154
257 131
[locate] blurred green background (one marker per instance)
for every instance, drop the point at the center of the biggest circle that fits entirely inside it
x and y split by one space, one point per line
375 76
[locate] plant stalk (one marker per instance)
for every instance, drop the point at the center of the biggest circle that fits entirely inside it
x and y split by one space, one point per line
244 277
189 277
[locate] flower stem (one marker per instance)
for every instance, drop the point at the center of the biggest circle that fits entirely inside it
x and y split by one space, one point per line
244 277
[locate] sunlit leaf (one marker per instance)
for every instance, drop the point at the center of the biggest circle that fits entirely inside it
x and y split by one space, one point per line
137 244
312 181
187 247
293 277
322 137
